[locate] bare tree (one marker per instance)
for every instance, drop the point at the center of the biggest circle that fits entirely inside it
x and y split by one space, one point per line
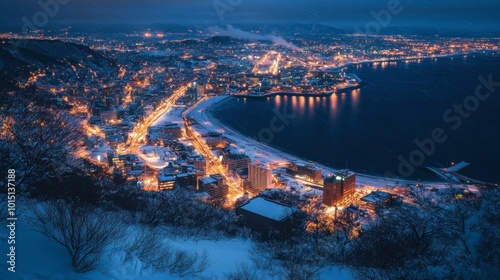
189 216
293 260
149 247
84 231
244 272
397 245
460 222
489 244
40 139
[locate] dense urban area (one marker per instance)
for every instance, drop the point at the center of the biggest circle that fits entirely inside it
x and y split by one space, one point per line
116 128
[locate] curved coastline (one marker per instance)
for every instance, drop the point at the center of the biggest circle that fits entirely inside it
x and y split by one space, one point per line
363 179
292 93
360 82
220 107
481 52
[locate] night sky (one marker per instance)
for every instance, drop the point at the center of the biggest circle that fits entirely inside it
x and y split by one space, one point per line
449 13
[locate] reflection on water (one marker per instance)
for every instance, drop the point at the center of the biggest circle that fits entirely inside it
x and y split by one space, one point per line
333 102
372 126
355 98
310 108
278 99
302 103
308 105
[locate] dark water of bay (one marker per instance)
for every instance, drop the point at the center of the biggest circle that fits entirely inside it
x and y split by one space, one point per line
369 128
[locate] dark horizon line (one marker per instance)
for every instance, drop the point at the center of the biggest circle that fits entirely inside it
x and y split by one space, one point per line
448 26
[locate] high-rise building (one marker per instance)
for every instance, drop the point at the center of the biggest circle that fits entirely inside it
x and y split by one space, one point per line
215 140
338 187
233 161
166 182
217 192
186 180
305 171
260 177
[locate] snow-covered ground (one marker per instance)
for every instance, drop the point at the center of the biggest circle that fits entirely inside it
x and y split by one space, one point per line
41 258
173 116
266 154
100 154
156 156
38 257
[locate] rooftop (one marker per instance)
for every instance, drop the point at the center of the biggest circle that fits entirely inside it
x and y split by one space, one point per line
216 176
337 176
208 180
267 208
166 178
376 196
236 156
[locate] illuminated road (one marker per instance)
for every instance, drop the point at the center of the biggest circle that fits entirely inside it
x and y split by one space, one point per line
138 135
268 64
213 164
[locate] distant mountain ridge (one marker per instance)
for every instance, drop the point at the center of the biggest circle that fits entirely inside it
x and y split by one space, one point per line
228 40
19 57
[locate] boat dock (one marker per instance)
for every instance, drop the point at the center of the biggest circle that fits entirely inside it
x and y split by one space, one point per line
450 174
